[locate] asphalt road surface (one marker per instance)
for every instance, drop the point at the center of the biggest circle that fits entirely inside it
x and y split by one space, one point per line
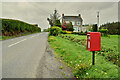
26 57
21 56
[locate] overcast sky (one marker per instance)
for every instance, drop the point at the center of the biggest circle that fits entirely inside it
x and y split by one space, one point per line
37 12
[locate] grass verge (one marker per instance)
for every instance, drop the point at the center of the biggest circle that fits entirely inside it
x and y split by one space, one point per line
79 59
109 45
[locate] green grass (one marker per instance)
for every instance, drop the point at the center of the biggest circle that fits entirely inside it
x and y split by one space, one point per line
77 36
5 37
107 42
80 59
109 46
60 67
110 42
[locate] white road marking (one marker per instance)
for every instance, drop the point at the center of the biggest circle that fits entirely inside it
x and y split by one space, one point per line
16 43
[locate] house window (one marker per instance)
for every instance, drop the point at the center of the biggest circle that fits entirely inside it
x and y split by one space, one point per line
75 29
73 23
78 29
78 23
67 21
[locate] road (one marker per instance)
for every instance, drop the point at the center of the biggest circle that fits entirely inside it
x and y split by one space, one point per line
21 56
31 57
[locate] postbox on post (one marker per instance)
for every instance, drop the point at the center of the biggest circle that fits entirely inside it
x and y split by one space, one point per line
93 42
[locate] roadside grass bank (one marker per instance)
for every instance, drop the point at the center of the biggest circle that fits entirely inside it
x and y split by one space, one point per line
5 37
109 46
79 59
10 37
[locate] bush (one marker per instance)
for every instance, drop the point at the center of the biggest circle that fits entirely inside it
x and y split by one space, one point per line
57 23
54 31
51 39
86 31
79 33
64 32
69 32
46 30
69 26
74 32
104 32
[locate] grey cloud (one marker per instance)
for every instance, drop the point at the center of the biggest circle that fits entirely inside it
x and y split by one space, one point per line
37 12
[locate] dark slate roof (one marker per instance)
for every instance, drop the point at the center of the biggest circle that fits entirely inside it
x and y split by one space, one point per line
72 18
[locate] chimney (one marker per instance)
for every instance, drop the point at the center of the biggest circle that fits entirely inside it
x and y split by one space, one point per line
79 15
62 15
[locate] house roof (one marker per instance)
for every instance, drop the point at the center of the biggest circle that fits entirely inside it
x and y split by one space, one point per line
72 18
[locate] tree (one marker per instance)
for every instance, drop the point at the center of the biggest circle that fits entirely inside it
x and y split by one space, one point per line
113 28
53 17
94 28
57 23
50 22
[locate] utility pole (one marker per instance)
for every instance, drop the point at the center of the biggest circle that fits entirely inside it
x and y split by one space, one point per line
97 20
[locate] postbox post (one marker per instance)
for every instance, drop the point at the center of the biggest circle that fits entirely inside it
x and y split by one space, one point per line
93 61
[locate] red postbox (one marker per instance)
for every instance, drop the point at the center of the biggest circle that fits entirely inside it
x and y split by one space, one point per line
93 41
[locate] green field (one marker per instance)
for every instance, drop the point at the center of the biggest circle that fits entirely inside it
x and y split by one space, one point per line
107 42
72 50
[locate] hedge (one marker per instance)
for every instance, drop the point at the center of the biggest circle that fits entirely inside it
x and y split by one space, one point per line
12 27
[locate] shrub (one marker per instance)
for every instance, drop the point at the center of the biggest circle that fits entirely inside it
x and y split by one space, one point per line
55 30
46 30
110 55
86 31
69 32
81 31
64 32
104 32
74 32
51 39
57 23
67 26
